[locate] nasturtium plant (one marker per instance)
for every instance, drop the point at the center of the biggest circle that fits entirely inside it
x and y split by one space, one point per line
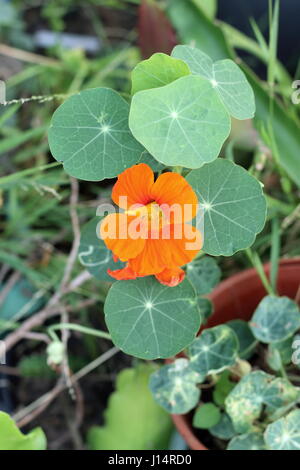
149 320
206 416
232 205
225 77
174 386
89 134
204 274
275 319
214 350
247 342
280 353
157 71
182 123
163 143
250 441
256 390
223 387
284 434
223 429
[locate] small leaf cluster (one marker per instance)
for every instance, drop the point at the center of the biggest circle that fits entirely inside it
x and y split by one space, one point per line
250 408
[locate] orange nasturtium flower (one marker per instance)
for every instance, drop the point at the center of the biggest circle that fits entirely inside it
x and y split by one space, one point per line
152 235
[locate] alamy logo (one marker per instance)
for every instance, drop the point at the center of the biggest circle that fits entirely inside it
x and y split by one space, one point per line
2 353
2 92
296 94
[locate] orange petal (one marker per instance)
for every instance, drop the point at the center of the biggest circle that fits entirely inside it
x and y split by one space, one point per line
116 236
171 277
122 274
184 244
153 258
133 186
177 246
171 189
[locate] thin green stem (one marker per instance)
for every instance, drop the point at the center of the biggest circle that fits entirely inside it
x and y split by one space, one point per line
257 264
283 372
275 252
75 327
178 169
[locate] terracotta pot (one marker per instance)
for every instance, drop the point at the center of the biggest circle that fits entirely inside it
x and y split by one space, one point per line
238 297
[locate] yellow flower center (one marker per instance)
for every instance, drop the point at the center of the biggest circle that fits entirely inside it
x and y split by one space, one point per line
151 214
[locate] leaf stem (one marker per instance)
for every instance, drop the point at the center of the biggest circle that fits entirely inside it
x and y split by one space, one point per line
75 327
257 264
275 252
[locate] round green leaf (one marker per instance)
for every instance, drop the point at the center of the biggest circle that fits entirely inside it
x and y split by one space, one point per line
246 339
214 350
250 441
183 123
280 353
232 204
157 71
222 388
279 393
174 387
284 434
149 320
206 416
204 274
275 319
89 133
223 429
226 78
93 254
245 402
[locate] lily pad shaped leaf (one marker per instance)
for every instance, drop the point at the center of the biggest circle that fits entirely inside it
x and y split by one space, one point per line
214 350
174 387
93 254
149 320
89 134
284 434
183 123
232 204
250 441
246 339
279 393
224 429
275 319
157 71
13 439
204 274
245 402
280 352
225 77
206 416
